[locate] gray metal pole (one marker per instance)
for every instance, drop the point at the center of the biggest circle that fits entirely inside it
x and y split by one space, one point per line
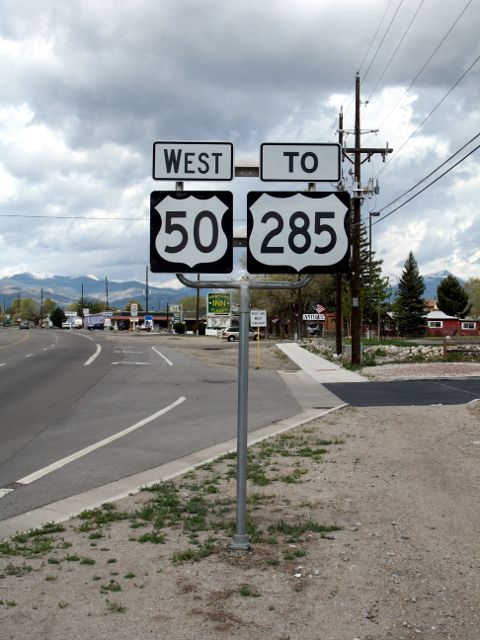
240 540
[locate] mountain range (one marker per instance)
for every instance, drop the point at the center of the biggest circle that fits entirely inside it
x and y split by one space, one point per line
432 281
66 289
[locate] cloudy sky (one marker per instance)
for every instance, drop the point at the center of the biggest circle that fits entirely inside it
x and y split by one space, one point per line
88 86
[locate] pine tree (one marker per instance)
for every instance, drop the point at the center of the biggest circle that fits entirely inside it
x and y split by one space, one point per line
472 287
452 298
374 288
410 305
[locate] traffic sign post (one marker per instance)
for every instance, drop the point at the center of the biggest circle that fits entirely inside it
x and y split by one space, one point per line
240 540
297 233
258 318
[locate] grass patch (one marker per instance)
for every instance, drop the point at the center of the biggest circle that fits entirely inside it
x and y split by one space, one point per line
16 570
298 529
154 538
115 607
102 515
247 591
205 549
113 586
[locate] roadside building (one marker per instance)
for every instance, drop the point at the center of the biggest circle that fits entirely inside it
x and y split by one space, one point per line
441 324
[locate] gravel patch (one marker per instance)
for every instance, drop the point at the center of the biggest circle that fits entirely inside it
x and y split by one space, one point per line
409 371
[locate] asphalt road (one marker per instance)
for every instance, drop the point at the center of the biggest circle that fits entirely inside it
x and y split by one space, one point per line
408 392
62 392
82 409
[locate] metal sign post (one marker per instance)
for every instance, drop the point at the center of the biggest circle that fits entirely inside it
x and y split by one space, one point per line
240 541
299 233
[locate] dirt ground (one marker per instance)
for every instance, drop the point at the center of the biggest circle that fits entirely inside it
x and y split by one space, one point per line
220 352
364 525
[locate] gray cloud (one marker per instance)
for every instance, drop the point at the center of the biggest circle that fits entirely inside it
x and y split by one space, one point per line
102 81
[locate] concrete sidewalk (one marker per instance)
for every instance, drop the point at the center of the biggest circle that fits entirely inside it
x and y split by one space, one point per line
318 368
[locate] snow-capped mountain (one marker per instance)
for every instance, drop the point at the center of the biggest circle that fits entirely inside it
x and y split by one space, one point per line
431 280
66 289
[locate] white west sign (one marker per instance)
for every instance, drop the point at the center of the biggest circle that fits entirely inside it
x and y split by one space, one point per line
192 161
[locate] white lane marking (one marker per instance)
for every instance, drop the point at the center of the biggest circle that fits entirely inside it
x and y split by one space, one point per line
162 356
92 358
83 452
127 351
4 492
127 362
2 364
85 335
29 355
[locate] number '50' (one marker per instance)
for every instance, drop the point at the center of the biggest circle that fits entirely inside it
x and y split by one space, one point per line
299 238
202 217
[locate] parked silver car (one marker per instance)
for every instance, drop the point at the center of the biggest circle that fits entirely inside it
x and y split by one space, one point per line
233 333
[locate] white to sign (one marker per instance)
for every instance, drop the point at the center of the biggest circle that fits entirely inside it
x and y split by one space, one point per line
303 232
258 318
134 310
313 316
300 162
191 231
192 161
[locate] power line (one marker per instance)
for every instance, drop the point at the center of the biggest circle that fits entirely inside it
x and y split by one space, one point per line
430 174
382 40
361 65
387 164
396 50
428 185
28 215
32 215
373 38
434 52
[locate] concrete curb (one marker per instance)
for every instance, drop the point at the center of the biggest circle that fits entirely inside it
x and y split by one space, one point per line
67 508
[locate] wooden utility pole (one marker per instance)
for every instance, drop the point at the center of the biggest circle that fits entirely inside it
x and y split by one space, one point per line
338 282
358 193
356 311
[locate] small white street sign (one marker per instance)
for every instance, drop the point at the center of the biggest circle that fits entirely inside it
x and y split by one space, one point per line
300 162
258 318
192 161
313 316
134 310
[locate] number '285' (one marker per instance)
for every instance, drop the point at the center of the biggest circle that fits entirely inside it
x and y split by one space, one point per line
299 238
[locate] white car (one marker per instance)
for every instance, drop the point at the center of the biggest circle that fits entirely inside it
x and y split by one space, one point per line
233 333
72 323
